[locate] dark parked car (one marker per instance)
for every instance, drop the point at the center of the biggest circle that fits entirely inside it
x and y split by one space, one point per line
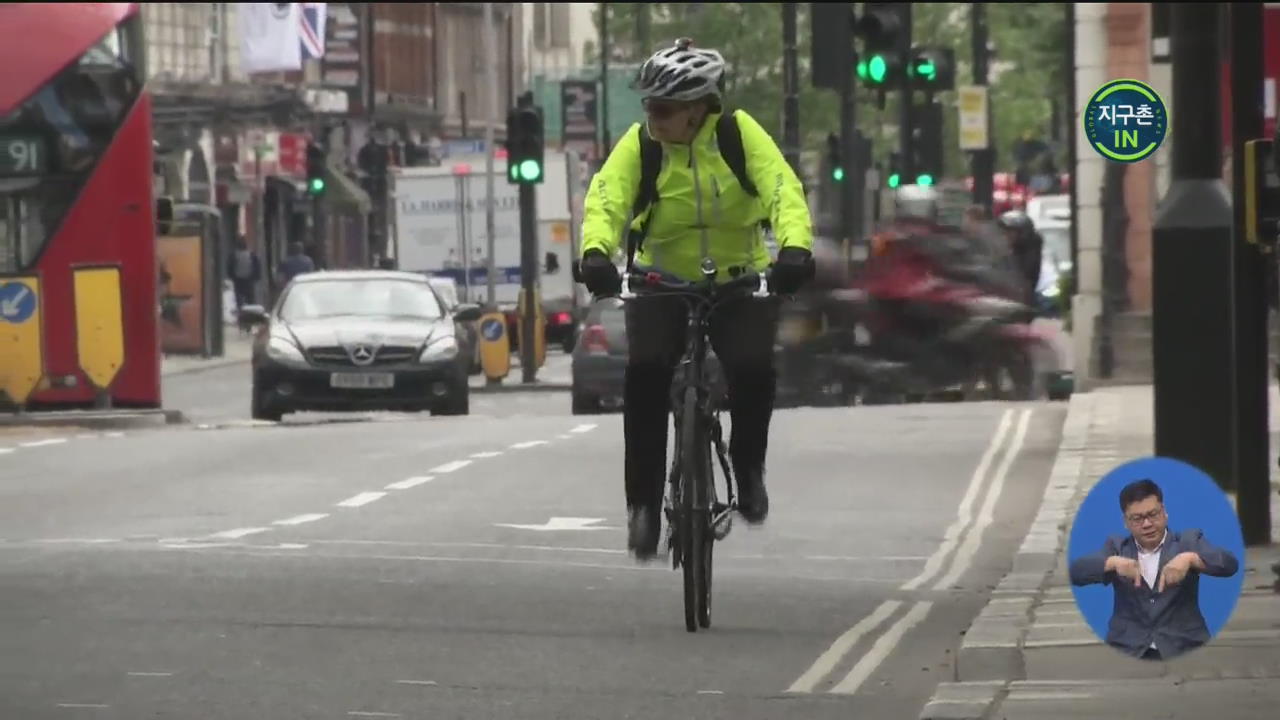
359 340
599 360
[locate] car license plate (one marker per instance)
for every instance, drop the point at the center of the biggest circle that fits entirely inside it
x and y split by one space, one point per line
362 381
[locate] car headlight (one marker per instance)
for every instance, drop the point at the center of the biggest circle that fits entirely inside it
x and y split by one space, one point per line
445 348
283 350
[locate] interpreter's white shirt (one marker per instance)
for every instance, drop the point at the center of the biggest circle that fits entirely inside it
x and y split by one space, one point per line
1150 562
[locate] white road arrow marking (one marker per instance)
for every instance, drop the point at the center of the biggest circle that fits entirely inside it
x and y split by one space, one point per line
9 308
561 523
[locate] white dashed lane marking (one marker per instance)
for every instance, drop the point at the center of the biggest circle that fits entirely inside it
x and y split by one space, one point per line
300 519
239 533
412 482
528 444
43 443
362 499
450 467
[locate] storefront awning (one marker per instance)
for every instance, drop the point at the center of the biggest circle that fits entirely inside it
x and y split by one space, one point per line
345 193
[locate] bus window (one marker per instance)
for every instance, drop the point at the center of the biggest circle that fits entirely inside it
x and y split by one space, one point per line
50 144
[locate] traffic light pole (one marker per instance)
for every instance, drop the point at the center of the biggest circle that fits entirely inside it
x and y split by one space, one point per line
1192 264
791 79
1250 305
528 278
984 161
907 100
854 175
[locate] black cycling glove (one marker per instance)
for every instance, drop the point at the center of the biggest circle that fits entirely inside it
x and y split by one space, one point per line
599 274
793 268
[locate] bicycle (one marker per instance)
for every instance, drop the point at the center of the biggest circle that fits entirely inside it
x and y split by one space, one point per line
696 518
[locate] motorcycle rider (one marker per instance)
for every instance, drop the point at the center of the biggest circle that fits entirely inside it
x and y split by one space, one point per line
700 205
1027 246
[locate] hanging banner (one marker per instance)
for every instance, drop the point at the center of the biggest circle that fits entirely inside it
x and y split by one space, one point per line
269 37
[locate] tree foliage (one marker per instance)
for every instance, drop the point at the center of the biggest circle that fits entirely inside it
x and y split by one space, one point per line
1029 39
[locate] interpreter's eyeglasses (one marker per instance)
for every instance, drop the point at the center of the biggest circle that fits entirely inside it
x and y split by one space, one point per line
662 109
1141 519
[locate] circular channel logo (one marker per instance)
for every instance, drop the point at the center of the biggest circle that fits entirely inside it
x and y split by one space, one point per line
1126 121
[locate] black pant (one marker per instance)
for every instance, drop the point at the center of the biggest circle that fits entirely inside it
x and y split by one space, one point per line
244 292
742 334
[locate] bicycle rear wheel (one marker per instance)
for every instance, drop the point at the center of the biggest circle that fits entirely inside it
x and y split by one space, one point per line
695 531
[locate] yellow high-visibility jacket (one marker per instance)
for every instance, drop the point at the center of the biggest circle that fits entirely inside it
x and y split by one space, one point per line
698 192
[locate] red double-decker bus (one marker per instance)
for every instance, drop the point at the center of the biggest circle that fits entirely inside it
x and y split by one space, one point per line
78 273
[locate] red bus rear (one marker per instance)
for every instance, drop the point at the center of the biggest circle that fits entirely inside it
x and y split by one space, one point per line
78 274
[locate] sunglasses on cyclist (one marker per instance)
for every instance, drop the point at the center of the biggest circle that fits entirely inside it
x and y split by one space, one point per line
662 109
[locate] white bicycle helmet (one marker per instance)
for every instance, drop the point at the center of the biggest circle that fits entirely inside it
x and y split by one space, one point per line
680 73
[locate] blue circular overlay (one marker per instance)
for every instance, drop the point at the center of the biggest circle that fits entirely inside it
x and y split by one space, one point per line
492 329
1125 121
1192 501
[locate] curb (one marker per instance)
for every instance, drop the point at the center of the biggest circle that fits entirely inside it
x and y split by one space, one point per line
990 656
502 389
211 364
96 418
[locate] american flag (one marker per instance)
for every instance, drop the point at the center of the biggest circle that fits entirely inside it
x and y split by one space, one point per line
311 29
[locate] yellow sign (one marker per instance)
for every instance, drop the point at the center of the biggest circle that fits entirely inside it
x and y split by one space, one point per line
972 103
21 338
495 346
99 324
539 325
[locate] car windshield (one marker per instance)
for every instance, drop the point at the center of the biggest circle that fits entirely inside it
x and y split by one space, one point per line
364 298
448 292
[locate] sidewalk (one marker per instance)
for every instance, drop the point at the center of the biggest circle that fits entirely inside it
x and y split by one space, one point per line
1029 654
555 375
237 349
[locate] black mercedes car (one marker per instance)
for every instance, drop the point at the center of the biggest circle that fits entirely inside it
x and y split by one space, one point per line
359 340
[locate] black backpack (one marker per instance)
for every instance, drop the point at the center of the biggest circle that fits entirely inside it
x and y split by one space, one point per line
729 142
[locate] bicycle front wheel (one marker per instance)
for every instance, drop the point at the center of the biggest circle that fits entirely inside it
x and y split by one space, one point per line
695 514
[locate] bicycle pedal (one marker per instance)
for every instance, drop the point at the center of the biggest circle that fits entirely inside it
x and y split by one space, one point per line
722 525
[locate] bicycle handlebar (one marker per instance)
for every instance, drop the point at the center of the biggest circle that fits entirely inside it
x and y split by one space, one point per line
655 284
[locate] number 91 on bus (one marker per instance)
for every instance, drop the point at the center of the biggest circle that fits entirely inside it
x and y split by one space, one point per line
22 155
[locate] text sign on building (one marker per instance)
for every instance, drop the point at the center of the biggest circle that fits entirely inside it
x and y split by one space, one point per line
578 100
974 132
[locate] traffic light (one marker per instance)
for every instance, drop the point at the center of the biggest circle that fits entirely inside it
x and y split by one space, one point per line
831 44
316 173
885 29
894 177
928 143
834 161
932 69
525 145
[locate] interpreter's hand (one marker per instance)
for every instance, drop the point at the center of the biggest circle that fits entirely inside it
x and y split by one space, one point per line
1176 570
1126 568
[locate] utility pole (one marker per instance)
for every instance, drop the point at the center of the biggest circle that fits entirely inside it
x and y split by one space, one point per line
791 82
643 24
1250 303
983 161
491 80
606 140
1192 264
906 100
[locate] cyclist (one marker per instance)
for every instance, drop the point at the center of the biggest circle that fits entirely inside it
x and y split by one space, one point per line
699 205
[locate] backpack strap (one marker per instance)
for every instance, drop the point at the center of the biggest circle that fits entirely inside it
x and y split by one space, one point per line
729 140
647 193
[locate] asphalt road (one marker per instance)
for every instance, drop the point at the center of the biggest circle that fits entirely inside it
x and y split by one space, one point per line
221 395
413 567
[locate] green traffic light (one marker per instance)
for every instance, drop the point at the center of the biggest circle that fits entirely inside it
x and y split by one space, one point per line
895 180
529 170
927 69
878 68
514 172
317 185
837 174
862 69
924 180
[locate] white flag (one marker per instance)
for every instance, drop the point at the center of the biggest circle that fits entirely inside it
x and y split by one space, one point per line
269 37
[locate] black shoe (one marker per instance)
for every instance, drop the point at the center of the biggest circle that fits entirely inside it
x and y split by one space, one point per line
642 532
753 499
